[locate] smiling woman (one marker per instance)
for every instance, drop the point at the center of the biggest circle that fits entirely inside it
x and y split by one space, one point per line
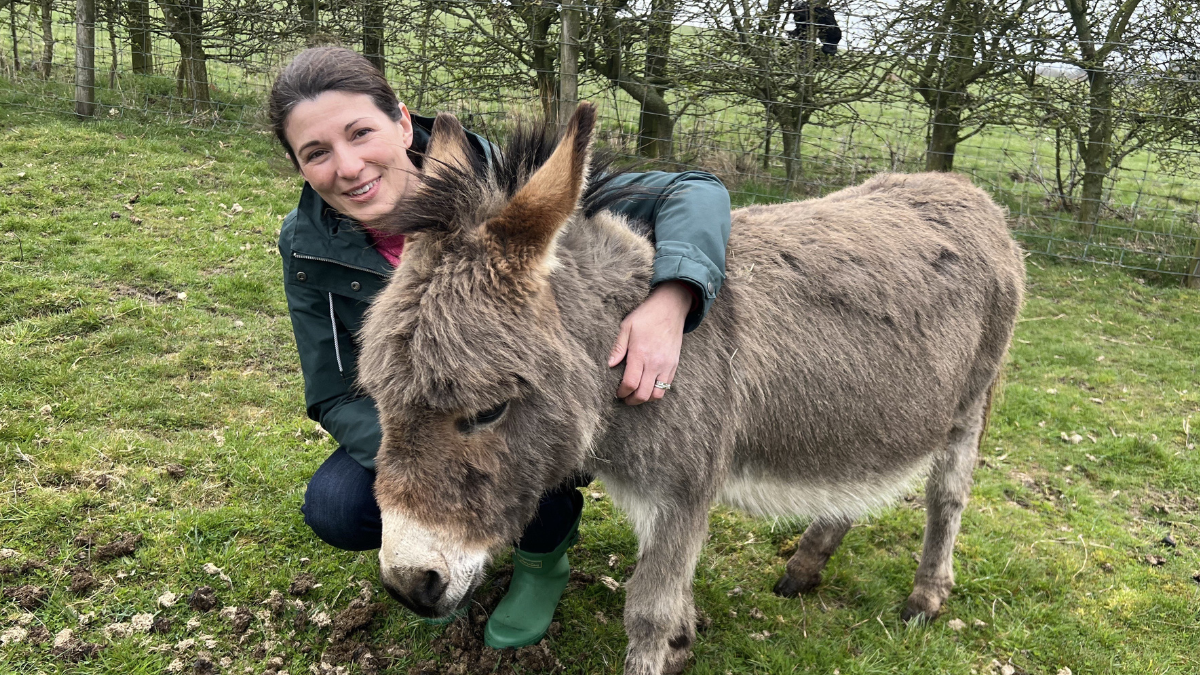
361 153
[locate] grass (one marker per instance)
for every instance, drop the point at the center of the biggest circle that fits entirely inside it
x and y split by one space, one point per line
127 347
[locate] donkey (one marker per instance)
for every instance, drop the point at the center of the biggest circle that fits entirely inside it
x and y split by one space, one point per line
852 351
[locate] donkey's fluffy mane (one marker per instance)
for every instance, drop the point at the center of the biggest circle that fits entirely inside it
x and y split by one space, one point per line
452 196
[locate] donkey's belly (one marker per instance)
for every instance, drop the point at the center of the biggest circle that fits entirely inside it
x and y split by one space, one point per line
768 495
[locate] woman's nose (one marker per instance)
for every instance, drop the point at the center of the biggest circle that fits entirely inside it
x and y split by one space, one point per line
350 165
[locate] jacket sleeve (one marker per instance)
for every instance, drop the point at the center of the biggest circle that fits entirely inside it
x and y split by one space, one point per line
690 215
328 362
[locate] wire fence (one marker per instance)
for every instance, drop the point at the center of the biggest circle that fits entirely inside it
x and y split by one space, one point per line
1081 116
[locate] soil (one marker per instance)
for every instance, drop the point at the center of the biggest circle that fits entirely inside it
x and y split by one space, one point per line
161 625
275 603
204 665
24 568
28 596
203 599
84 540
357 615
461 649
300 620
241 620
38 634
176 471
75 651
82 580
125 544
301 584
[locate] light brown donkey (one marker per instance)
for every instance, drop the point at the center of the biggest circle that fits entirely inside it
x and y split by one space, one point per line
850 353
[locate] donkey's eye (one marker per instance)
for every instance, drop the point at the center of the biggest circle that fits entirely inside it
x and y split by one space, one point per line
481 419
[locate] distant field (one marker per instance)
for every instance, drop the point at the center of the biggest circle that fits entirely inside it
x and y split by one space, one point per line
149 386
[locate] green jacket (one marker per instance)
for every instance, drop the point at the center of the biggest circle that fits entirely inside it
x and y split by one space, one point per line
331 273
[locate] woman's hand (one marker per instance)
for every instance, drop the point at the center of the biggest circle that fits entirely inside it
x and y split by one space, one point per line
650 340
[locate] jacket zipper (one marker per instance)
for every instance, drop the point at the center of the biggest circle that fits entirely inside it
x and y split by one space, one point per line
304 256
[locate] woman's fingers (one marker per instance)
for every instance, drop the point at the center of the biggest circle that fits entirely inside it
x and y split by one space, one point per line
622 344
632 380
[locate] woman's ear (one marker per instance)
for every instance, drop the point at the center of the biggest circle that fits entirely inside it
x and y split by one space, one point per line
405 125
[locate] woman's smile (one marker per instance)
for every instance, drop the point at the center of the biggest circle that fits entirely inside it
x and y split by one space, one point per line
366 192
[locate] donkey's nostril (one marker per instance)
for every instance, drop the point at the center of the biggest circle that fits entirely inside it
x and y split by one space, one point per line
429 588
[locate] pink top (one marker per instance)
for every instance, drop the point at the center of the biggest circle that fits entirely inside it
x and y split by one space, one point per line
390 246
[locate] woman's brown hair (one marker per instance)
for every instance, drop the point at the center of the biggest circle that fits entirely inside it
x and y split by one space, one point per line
318 70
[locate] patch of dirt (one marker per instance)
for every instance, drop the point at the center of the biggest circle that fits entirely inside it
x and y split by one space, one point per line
275 603
74 651
151 297
28 596
176 471
300 621
241 620
161 625
125 544
356 615
203 599
203 665
301 584
82 580
84 540
22 569
38 634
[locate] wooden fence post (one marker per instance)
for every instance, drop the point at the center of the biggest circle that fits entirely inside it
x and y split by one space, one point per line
85 57
568 63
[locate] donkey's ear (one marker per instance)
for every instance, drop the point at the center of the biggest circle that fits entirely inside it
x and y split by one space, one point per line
448 151
526 227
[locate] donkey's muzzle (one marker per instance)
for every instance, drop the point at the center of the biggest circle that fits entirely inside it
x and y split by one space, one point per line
419 590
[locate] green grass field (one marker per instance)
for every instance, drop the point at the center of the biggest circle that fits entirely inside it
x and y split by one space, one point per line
149 385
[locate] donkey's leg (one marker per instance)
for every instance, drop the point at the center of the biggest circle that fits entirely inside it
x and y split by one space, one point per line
660 618
819 542
946 494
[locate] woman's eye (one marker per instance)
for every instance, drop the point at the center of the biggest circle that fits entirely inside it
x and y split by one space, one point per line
481 419
362 132
315 154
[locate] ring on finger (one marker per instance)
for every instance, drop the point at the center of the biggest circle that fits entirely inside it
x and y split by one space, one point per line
662 385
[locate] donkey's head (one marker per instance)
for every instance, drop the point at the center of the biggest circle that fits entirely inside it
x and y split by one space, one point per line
484 399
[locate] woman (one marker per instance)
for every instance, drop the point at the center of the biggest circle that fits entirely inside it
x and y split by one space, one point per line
359 151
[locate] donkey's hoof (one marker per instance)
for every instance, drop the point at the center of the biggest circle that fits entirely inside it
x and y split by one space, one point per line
914 613
676 661
789 587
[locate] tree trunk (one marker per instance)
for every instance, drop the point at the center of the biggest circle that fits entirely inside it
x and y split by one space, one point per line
372 33
185 22
140 46
12 27
309 16
943 139
111 9
543 61
791 128
568 64
426 64
1193 278
1094 151
655 125
85 58
47 63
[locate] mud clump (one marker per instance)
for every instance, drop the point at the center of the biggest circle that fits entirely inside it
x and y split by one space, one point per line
241 620
203 665
176 471
84 540
300 621
303 583
22 569
27 596
74 651
462 651
38 634
203 599
125 544
161 625
82 580
357 615
275 603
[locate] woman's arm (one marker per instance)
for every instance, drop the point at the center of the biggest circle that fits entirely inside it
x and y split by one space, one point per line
690 213
328 362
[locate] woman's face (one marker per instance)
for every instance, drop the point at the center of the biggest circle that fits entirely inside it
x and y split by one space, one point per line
351 153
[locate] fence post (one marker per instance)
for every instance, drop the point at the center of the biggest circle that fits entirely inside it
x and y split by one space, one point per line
568 63
85 57
1192 280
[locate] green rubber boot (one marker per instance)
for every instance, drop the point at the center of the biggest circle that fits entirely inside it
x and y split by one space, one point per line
538 581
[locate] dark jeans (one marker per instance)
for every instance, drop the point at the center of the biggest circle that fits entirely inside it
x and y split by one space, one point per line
340 507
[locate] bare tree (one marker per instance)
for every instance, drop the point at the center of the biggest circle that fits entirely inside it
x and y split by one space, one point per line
753 56
185 23
960 57
141 46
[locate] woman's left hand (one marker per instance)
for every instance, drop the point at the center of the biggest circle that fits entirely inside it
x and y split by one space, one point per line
650 340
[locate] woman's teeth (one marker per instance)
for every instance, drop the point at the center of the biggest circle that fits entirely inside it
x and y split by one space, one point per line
363 190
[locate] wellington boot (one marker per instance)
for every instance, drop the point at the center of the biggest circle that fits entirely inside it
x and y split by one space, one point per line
538 581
